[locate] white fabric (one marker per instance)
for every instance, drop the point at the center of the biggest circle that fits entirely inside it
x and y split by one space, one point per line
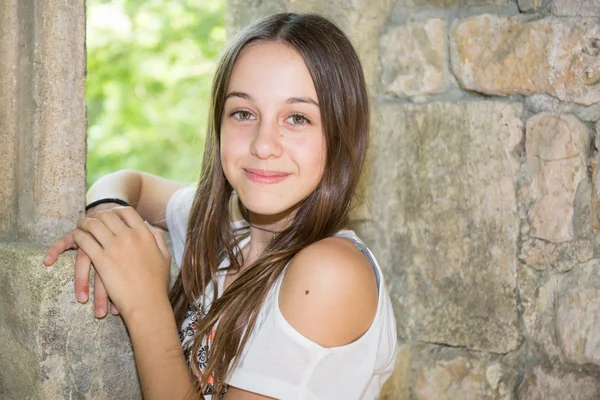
280 362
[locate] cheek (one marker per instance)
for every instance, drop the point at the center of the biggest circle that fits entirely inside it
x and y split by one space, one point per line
230 146
315 156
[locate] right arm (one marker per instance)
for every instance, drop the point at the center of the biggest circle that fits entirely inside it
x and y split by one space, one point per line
148 194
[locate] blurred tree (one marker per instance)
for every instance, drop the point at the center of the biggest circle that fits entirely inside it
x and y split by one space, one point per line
150 66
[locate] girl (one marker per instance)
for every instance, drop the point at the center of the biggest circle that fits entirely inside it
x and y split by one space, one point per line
280 302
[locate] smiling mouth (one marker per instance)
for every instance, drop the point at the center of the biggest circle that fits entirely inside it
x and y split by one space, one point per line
265 176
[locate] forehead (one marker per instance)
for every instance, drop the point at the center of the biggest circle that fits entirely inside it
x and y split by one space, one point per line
271 69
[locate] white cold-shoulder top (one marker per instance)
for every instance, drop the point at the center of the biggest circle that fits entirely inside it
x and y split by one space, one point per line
278 361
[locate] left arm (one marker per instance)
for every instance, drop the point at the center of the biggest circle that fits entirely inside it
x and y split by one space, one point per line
133 261
159 358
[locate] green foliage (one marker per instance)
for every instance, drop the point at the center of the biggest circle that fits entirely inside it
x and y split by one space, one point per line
150 66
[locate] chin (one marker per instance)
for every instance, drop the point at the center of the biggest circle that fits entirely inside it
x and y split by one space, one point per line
264 208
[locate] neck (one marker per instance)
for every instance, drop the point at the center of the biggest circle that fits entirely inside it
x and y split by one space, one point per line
262 231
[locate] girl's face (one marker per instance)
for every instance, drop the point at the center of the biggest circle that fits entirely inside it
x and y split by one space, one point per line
272 140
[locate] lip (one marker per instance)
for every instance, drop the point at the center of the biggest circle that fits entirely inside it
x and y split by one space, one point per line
265 176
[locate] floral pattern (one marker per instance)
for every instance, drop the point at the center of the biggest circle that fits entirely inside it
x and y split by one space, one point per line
186 335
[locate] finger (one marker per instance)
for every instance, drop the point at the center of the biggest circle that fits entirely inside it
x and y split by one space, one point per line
100 297
82 276
113 309
97 229
131 217
112 221
160 240
88 243
57 247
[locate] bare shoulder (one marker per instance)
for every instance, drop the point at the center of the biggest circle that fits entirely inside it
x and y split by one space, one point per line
329 292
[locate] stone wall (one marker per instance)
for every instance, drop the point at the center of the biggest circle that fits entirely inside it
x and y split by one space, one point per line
482 189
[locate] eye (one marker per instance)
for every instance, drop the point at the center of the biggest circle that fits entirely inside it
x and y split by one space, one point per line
243 115
297 119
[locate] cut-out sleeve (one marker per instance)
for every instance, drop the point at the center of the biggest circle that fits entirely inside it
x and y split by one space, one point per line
280 362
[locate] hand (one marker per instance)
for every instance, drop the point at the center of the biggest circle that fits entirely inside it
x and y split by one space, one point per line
131 258
83 267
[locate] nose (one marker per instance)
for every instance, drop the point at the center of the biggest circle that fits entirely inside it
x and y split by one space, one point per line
267 140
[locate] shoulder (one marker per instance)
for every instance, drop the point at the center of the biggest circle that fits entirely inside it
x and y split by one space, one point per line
329 292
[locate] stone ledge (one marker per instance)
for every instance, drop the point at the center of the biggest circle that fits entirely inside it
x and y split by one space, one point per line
52 346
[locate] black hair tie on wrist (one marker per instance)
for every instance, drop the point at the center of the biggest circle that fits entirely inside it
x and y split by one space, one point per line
102 201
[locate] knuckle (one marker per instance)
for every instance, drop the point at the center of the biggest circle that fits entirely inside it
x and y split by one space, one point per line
130 237
147 235
81 283
100 296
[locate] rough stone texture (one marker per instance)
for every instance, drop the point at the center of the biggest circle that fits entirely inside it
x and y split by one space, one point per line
245 11
557 157
445 185
539 384
10 65
448 374
586 8
43 125
540 102
506 56
530 5
455 3
578 314
53 347
538 298
414 59
560 257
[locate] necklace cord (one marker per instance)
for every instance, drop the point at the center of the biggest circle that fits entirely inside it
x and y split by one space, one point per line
264 229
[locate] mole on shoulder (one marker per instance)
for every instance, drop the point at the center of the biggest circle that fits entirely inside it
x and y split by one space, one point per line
306 292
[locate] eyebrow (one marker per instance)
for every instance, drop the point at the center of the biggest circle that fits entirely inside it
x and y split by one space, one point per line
291 100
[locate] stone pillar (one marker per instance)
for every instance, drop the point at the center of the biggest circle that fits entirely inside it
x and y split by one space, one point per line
42 69
52 347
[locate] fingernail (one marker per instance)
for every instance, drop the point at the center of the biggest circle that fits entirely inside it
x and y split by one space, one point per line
100 313
81 297
46 260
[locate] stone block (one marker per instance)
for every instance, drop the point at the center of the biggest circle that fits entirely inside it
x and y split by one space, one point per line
538 304
560 257
530 5
578 314
584 8
506 56
414 59
557 157
448 374
539 384
456 3
444 193
53 347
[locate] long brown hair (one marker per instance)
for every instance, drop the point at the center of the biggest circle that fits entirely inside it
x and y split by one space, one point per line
342 96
